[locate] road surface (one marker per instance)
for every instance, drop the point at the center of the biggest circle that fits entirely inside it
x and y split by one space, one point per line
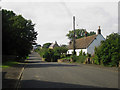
39 74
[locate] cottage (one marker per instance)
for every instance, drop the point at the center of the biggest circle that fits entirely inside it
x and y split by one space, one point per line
53 45
87 44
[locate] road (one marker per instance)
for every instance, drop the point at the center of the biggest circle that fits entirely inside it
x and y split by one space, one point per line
39 74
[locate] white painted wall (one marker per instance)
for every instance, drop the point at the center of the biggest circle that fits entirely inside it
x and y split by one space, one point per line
91 47
77 51
95 43
69 51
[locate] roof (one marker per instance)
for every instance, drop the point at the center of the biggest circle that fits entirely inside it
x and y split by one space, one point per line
82 43
53 45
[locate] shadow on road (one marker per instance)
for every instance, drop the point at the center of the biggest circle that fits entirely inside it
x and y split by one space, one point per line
40 65
47 84
7 83
34 59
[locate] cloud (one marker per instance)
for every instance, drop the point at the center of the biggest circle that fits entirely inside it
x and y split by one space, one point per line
53 20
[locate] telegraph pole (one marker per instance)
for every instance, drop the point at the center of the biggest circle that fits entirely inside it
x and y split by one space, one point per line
74 36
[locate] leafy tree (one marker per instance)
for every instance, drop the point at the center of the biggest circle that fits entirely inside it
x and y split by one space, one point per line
46 45
108 53
79 33
18 34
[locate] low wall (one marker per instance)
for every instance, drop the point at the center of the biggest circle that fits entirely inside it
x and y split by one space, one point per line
64 60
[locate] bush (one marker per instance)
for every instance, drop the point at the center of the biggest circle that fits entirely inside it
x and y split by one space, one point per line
88 55
95 59
84 54
74 58
81 59
80 53
52 54
108 53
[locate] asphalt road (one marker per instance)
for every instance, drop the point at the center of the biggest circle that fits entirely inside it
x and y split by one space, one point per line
39 74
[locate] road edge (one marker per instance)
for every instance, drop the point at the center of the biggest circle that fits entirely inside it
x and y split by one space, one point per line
19 77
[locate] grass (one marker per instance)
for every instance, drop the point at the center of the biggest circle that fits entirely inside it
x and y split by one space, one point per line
27 57
8 64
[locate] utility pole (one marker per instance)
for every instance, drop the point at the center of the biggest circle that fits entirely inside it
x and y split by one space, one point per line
74 36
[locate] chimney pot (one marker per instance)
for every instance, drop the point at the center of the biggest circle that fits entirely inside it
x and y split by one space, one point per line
99 30
99 27
85 34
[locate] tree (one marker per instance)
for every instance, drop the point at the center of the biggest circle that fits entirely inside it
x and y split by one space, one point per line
46 45
79 33
18 34
108 53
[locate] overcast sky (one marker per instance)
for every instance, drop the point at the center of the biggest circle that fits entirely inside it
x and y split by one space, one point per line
54 19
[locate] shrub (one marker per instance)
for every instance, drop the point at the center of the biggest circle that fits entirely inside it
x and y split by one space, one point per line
81 59
88 55
84 54
74 58
80 53
95 59
108 52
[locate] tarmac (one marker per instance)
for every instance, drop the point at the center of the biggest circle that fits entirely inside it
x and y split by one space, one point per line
11 76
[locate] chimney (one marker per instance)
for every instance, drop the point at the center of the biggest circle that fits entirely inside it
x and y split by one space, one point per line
85 34
55 42
99 30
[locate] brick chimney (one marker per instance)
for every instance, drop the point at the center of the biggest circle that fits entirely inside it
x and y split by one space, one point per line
99 30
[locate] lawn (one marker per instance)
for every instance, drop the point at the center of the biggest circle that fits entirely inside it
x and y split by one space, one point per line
8 64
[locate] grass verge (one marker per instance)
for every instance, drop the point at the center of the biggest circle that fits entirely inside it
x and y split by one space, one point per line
8 64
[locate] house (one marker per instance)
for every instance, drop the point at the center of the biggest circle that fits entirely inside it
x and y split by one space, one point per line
87 44
53 45
36 46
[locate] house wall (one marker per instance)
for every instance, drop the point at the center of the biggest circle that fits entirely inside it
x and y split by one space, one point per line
77 51
94 44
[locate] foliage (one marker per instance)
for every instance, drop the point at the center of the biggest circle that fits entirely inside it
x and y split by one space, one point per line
79 33
81 52
95 59
8 64
46 45
67 58
74 58
84 54
18 34
88 55
52 54
108 53
81 59
48 55
64 46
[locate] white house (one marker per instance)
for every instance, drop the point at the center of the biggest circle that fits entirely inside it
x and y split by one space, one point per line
87 44
53 45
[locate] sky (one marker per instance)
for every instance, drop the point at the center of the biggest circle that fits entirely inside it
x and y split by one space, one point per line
54 19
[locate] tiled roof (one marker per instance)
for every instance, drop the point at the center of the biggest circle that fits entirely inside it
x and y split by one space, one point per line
82 43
